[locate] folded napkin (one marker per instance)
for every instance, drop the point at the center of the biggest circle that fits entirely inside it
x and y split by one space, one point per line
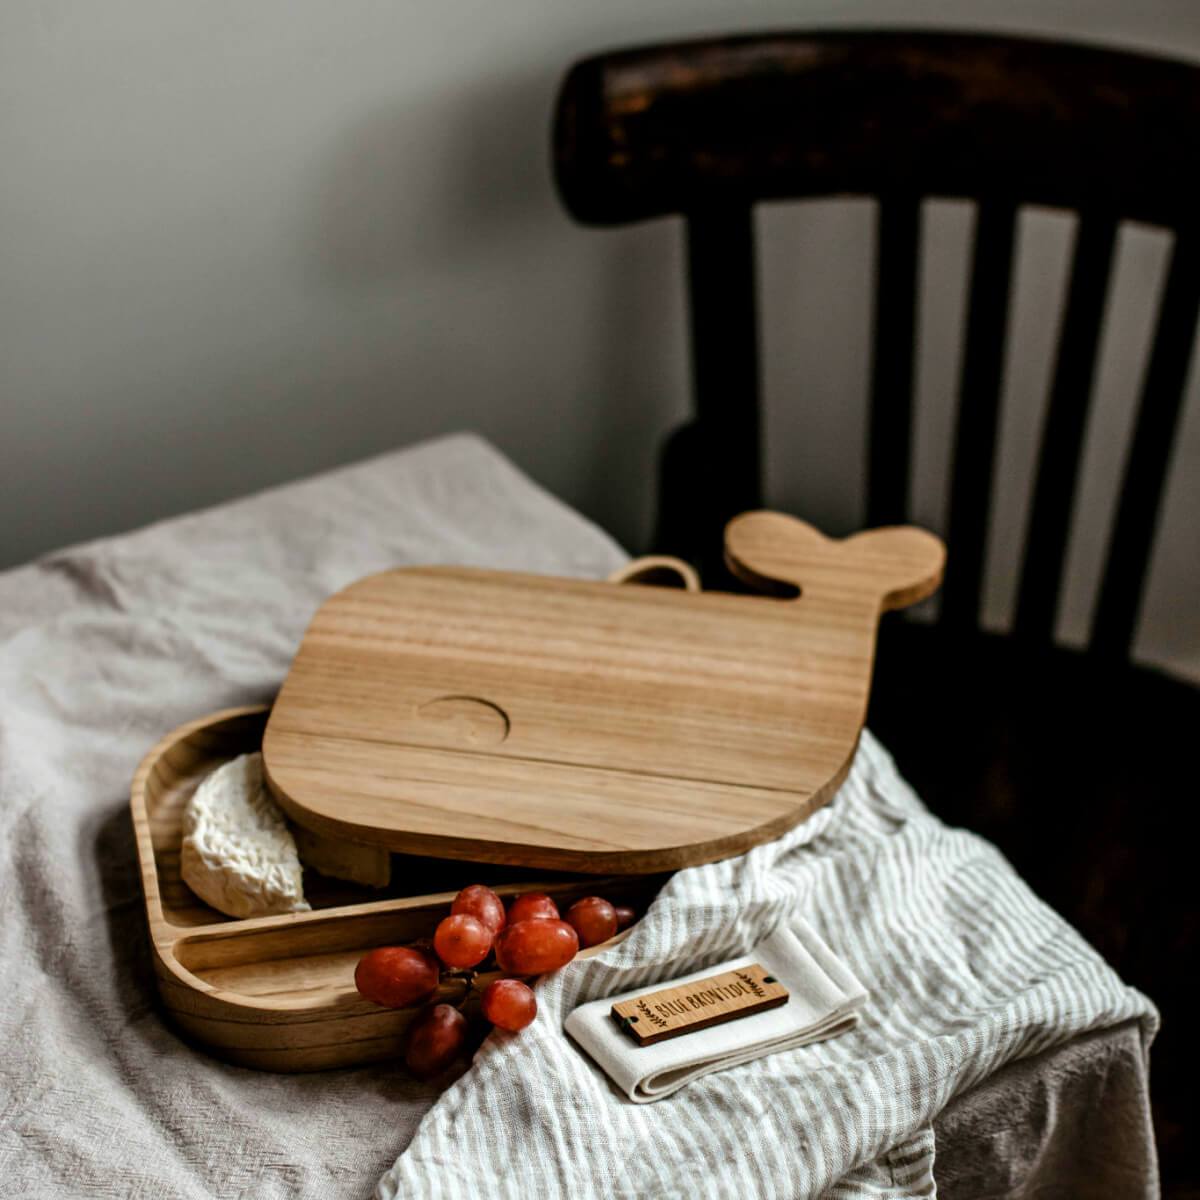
823 1001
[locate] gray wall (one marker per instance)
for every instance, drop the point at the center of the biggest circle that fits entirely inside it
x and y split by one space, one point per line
240 242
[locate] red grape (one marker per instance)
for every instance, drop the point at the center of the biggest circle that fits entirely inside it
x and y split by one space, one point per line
594 919
534 947
625 916
397 976
509 1004
462 941
532 906
434 1040
481 903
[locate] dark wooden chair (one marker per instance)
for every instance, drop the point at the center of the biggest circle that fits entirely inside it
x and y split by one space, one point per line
1071 761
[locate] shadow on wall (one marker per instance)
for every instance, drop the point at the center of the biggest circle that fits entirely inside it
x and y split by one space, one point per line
486 180
583 403
421 278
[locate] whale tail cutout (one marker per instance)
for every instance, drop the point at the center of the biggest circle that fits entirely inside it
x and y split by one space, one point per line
895 565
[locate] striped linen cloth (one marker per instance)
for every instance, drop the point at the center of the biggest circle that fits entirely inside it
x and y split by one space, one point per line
966 969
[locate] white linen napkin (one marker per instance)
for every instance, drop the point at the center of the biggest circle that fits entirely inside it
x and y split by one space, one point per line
823 1001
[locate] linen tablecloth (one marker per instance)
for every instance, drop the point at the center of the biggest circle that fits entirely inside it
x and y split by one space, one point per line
966 972
104 647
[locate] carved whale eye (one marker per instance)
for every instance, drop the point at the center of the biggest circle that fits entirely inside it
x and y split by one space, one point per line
465 720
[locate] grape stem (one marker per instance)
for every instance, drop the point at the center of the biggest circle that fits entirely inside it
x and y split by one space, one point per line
467 977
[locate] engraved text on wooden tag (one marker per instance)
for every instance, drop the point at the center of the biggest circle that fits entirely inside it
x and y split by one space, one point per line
690 1006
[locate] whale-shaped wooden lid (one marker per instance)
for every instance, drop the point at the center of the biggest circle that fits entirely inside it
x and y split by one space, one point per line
585 726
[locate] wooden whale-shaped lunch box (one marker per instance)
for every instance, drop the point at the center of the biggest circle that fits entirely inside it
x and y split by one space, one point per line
524 731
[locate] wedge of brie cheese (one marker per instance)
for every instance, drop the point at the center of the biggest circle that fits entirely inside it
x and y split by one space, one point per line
238 854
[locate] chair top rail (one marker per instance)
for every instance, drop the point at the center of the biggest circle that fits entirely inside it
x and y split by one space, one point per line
677 128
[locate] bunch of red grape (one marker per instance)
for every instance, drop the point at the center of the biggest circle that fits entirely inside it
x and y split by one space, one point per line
530 939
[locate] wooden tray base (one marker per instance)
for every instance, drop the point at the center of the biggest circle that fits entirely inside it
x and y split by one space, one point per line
278 993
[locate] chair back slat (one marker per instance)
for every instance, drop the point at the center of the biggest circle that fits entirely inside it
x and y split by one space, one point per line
1144 480
978 413
1049 524
889 450
725 374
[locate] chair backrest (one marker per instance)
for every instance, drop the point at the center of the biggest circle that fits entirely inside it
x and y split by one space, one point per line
706 129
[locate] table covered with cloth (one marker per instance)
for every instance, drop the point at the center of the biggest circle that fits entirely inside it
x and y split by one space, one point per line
998 1055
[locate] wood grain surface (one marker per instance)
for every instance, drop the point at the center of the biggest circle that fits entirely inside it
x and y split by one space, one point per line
278 992
560 723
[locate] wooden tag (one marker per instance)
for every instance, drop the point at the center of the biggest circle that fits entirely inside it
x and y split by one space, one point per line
687 1007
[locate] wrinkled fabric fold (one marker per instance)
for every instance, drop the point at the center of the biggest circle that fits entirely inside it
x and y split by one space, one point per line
106 646
966 971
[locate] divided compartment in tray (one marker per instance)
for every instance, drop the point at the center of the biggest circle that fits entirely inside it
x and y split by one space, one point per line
278 992
310 958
